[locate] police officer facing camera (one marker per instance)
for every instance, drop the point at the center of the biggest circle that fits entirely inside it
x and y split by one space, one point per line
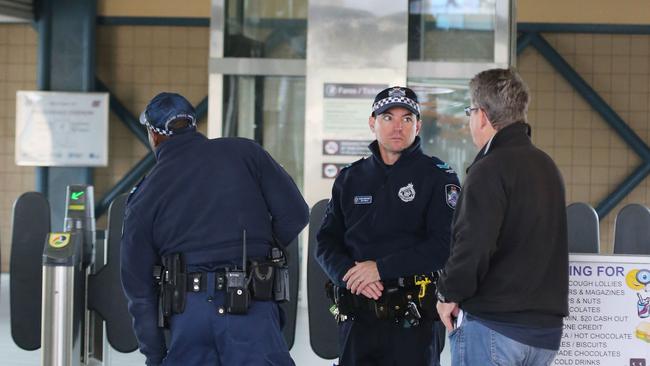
384 235
188 219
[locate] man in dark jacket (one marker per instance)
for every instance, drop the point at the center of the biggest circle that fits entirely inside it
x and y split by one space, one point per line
389 220
198 200
503 292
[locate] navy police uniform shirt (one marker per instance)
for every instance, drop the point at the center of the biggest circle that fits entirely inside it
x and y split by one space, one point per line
398 215
197 200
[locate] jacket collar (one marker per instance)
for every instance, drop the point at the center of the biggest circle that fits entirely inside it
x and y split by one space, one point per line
406 155
177 142
516 134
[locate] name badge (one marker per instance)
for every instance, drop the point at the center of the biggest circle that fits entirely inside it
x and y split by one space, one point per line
362 200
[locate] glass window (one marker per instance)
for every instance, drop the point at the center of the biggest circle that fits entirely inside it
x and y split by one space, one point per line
266 29
451 30
271 111
445 128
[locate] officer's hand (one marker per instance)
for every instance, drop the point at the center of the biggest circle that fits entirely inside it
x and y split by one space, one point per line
373 290
359 276
447 310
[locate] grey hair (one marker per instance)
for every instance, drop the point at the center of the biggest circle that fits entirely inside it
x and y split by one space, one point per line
502 94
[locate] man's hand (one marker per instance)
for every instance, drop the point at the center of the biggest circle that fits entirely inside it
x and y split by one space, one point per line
373 290
447 310
361 275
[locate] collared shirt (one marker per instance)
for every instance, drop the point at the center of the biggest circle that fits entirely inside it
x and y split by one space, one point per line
397 215
487 146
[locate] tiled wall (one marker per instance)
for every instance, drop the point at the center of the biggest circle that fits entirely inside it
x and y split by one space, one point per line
592 158
17 72
134 62
137 62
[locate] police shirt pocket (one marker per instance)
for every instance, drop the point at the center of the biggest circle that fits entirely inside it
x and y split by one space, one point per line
279 359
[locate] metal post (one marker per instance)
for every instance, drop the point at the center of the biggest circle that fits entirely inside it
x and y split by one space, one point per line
67 258
61 288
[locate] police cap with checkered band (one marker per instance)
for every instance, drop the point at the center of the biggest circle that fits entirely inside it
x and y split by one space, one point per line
163 109
396 96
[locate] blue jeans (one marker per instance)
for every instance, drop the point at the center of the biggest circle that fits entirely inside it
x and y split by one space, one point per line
475 344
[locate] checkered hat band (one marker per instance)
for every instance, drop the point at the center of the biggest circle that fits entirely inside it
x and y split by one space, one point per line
158 130
165 131
178 116
400 100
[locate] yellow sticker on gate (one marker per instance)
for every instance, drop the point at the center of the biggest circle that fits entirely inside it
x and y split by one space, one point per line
59 240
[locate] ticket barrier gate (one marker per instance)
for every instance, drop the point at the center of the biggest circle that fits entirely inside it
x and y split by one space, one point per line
59 292
323 330
68 283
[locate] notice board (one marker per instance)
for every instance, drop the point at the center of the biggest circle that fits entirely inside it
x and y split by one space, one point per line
609 311
61 129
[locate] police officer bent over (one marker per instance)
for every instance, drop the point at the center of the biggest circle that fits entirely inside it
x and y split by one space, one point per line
385 234
187 222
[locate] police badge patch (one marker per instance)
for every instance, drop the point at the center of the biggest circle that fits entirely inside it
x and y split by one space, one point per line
396 92
451 193
407 193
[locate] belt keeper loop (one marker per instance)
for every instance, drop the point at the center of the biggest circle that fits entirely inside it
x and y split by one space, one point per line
220 281
196 282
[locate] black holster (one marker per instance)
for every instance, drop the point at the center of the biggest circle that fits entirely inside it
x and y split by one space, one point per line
270 279
171 278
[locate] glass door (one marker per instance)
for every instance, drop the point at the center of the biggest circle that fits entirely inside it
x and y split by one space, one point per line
271 111
445 129
449 42
257 76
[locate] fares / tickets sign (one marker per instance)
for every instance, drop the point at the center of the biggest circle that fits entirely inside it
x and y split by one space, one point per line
61 129
609 311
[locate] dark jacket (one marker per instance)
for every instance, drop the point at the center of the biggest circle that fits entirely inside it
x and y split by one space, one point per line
197 200
509 252
372 215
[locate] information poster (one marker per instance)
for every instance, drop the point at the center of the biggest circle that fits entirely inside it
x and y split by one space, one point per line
61 129
346 108
346 147
609 312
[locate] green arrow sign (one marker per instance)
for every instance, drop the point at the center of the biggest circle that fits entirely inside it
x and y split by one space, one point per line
76 195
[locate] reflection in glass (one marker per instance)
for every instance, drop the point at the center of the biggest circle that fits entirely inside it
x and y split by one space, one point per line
266 29
445 129
271 111
451 30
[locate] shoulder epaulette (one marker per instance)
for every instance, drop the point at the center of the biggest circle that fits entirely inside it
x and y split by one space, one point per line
353 164
445 167
135 188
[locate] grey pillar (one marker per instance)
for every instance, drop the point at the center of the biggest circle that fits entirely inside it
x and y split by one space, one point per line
66 63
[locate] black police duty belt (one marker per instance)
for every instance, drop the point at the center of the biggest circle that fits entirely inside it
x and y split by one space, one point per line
266 280
198 281
397 297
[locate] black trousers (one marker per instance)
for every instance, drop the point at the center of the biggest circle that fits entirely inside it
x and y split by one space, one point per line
438 342
367 341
